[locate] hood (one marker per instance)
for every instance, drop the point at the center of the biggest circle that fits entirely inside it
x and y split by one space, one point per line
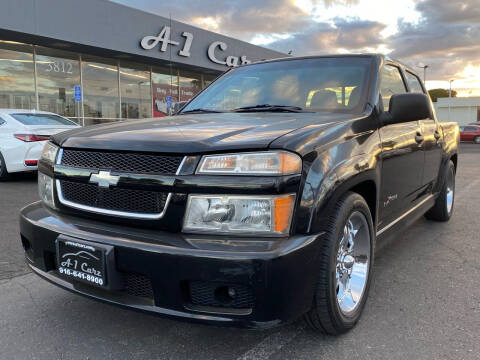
196 133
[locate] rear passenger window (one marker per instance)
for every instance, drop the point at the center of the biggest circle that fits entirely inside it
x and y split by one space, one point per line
392 83
414 83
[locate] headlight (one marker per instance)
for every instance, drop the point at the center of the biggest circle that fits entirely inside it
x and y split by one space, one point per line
45 189
241 215
49 153
260 163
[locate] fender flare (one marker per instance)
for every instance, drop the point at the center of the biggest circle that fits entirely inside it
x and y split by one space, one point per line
317 200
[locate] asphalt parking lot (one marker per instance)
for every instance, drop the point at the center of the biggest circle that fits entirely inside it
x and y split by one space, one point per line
424 302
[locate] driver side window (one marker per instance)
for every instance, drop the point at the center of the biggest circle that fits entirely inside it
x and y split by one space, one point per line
392 83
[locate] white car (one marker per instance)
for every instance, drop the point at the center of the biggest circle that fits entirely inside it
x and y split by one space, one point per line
23 133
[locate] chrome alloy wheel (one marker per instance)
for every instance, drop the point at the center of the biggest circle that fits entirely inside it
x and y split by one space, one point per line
450 190
353 261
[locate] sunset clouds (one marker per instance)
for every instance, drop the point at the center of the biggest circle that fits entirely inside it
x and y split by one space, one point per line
441 33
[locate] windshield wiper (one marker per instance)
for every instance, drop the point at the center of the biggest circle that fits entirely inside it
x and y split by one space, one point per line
199 111
268 107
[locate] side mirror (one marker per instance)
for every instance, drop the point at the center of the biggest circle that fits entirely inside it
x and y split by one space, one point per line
407 107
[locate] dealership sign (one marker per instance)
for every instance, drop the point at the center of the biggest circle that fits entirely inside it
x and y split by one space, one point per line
216 51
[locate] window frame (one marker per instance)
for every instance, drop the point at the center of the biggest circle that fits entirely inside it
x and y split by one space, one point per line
402 76
416 77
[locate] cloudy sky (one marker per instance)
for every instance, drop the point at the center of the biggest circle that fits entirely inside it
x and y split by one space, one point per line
443 34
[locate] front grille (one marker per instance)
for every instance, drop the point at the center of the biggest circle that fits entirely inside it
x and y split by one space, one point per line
214 294
116 199
138 285
122 162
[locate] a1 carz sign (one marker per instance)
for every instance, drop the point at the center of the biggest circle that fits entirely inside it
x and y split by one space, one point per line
163 40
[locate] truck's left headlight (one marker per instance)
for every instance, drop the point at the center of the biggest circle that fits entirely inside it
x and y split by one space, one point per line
45 189
49 153
240 215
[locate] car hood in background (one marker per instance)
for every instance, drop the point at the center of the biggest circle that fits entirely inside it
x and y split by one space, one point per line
194 133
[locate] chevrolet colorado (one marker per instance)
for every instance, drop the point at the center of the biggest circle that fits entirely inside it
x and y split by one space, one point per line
260 202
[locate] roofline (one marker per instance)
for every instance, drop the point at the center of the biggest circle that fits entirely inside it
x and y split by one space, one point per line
288 58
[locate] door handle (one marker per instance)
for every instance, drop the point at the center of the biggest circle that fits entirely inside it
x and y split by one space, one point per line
436 134
419 138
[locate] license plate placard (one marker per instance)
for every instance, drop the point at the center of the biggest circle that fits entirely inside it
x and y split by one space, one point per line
81 261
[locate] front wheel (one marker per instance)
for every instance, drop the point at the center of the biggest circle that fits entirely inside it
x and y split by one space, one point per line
443 208
345 265
477 140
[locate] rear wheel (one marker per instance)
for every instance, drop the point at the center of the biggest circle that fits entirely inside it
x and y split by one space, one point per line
477 140
344 267
443 208
3 169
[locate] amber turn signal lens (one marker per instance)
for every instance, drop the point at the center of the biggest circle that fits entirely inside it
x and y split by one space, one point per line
290 163
283 213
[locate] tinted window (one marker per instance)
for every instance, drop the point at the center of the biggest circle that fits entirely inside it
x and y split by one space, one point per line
392 83
471 128
318 85
414 83
2 121
41 119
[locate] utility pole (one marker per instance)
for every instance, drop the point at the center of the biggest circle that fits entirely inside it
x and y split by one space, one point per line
424 72
450 99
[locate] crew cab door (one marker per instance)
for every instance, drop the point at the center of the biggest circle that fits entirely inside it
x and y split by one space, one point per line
432 136
402 156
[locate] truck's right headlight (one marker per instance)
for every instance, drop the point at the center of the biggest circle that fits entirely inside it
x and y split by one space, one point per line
45 189
239 214
49 153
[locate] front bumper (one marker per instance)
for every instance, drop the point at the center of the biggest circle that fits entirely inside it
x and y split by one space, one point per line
280 273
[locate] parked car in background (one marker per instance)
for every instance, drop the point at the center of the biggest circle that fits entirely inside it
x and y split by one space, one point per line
23 133
470 133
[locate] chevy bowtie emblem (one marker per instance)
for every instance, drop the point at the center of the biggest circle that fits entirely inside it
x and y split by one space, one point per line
104 179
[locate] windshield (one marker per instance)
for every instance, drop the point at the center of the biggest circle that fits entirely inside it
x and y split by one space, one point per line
335 84
41 119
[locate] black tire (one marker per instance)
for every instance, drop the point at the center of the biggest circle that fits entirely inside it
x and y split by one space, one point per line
326 315
477 140
3 169
442 211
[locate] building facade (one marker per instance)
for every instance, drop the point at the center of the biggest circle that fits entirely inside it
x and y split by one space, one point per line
464 110
96 61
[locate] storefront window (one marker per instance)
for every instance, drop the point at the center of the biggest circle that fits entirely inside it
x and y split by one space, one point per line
100 91
17 82
190 85
208 79
58 73
164 84
45 79
135 93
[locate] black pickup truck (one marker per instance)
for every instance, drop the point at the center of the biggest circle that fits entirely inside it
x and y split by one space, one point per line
261 201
